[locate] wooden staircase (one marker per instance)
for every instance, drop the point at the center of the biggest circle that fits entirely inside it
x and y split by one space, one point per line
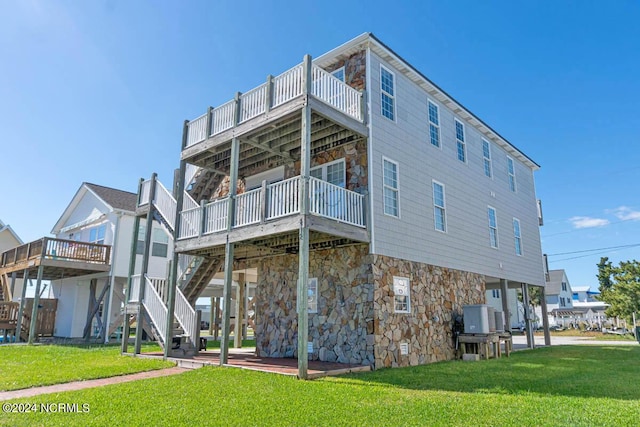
201 278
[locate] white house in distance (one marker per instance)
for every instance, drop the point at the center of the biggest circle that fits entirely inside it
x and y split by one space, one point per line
559 297
8 238
390 207
587 308
102 215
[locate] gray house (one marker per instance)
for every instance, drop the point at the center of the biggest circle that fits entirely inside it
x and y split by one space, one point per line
369 204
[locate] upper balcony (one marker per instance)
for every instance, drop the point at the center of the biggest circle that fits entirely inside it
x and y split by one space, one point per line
266 120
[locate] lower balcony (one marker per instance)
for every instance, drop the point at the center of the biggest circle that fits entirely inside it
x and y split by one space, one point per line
275 209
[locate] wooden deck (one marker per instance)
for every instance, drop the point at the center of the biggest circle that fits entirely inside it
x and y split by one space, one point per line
245 358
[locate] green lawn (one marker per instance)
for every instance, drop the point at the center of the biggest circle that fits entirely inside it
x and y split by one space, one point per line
573 385
23 366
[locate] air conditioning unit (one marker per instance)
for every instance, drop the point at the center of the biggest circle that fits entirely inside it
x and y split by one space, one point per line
491 313
499 316
476 319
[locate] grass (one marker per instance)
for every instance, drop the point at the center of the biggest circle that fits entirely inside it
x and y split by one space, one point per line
23 366
570 385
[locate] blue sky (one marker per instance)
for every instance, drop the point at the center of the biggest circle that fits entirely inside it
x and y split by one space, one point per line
97 91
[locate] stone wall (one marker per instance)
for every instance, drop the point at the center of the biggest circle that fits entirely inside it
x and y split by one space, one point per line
342 329
436 293
355 69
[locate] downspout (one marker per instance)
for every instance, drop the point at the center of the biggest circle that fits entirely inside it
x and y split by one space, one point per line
369 117
112 278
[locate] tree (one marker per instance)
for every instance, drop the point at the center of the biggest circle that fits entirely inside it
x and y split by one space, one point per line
620 287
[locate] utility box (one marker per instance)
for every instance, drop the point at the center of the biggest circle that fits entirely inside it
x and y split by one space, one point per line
476 319
499 316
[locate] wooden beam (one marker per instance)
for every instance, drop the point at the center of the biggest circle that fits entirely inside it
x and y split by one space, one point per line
126 321
92 298
23 297
545 317
36 302
240 292
256 144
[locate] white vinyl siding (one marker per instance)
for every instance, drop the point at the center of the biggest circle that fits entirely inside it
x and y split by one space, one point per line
439 207
517 236
461 146
390 188
434 124
493 227
486 157
512 174
387 93
401 295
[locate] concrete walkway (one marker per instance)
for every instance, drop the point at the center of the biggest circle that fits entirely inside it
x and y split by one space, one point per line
79 385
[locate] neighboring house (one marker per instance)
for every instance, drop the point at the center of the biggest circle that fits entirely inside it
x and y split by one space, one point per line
516 314
559 295
584 294
353 185
588 308
8 238
102 215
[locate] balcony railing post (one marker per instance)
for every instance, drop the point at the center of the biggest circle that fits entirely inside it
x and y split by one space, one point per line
363 107
203 217
238 109
207 126
269 97
140 191
263 201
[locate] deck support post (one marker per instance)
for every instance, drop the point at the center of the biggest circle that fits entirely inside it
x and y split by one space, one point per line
33 326
23 297
240 309
527 315
303 237
12 288
106 314
505 304
132 268
545 317
229 249
145 263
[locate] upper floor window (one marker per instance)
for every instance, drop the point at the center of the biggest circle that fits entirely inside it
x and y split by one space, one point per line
401 297
439 208
493 227
564 286
390 187
460 141
160 246
338 74
517 236
312 295
512 174
96 235
434 124
332 172
486 156
387 93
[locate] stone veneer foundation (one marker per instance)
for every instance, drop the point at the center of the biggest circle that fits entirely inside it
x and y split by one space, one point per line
355 322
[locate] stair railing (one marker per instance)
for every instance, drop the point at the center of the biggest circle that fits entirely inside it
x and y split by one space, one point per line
187 317
155 308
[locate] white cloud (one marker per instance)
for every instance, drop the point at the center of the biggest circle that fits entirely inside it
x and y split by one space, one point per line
625 213
587 222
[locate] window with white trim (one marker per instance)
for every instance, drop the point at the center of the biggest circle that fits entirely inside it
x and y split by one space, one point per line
390 187
387 93
517 236
160 245
434 124
495 293
439 207
332 172
461 146
401 297
512 174
312 295
564 286
493 227
486 157
338 74
96 234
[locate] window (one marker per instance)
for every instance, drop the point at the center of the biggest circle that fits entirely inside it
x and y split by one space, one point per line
460 144
486 155
387 93
390 188
439 208
495 293
140 243
562 302
160 244
338 74
434 124
401 298
96 235
564 286
512 174
312 295
517 236
493 227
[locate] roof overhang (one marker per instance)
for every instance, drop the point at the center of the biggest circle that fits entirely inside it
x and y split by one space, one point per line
383 51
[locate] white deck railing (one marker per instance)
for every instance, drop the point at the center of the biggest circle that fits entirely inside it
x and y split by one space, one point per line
248 208
160 285
135 288
197 130
286 86
187 317
190 173
283 198
156 308
216 216
145 192
332 201
166 204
